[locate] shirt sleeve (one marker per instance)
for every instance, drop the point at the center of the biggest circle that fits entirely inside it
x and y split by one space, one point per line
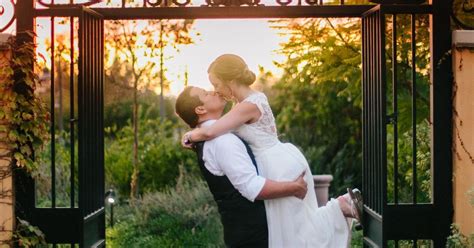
232 157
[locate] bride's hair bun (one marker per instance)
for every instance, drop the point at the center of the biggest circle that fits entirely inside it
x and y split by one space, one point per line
230 67
247 77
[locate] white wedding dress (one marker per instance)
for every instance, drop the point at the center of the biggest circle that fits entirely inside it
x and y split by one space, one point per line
292 222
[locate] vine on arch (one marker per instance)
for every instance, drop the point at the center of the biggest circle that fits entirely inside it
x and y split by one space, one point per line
24 119
25 115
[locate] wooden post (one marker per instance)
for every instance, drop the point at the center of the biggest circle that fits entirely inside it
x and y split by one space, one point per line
7 217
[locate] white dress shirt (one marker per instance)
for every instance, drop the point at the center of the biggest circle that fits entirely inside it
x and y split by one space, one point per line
227 155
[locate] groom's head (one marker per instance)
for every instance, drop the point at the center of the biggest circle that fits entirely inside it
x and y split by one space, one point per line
195 105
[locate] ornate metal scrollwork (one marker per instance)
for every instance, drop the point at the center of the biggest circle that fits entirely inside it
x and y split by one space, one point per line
186 2
228 3
311 2
49 5
467 6
153 3
7 14
165 3
183 3
462 14
284 2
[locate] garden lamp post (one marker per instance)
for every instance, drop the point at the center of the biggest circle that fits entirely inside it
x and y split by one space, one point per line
110 200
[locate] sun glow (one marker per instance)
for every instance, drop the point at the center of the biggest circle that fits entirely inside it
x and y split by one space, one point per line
254 40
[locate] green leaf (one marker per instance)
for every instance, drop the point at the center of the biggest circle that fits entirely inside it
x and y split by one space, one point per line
18 156
25 149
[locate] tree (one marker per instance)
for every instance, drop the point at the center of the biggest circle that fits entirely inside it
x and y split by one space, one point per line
136 46
318 101
61 72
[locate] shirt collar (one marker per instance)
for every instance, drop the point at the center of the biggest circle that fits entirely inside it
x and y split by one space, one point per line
207 123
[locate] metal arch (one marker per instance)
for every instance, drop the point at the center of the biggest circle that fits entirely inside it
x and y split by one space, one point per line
52 4
217 11
186 3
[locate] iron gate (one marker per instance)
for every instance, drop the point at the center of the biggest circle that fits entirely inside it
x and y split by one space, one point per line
83 221
384 221
373 123
91 128
389 222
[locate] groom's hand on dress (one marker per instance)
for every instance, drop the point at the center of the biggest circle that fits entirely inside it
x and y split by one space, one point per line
301 186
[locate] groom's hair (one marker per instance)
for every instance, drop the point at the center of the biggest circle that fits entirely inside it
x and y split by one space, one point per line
186 105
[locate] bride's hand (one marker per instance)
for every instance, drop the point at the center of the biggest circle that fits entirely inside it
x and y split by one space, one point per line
186 141
301 187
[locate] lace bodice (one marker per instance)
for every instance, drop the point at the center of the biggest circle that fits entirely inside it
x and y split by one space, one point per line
261 134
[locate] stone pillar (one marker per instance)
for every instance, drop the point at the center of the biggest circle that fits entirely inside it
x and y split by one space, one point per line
6 184
321 186
463 130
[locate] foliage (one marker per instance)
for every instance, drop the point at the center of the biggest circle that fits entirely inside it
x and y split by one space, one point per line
470 193
138 49
160 156
404 112
405 170
118 111
135 49
24 111
459 240
404 71
62 173
318 99
182 216
25 120
356 238
27 235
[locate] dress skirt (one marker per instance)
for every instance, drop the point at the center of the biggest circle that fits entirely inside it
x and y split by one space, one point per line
292 222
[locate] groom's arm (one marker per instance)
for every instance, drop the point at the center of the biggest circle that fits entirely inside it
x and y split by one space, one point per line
273 189
229 155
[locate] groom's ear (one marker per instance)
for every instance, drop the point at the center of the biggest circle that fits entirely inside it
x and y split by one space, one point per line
200 110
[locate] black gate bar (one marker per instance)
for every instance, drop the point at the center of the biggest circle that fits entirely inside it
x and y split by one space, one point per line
215 12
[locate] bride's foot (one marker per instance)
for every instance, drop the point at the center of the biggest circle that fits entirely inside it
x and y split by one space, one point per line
351 204
357 203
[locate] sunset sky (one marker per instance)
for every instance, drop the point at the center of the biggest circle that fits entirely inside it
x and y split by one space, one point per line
252 39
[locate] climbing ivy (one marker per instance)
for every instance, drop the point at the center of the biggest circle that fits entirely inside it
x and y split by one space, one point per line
25 115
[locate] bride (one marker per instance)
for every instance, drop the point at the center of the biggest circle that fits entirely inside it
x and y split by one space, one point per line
291 222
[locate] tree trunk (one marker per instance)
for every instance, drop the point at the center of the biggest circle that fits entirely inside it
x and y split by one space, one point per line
134 182
162 98
60 88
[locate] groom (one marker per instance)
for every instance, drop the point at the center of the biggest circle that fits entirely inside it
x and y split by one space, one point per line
229 168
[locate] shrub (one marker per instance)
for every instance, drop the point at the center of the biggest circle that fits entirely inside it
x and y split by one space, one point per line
459 240
185 215
159 156
405 170
62 172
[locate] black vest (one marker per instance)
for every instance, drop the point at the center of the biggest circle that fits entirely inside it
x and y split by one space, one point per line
245 222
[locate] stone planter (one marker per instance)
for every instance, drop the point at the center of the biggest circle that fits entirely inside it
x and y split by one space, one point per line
321 186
